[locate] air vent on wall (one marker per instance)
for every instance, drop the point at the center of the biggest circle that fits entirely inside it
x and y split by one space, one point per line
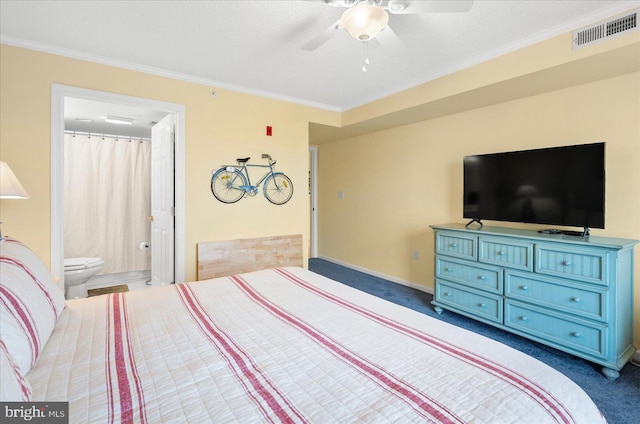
604 30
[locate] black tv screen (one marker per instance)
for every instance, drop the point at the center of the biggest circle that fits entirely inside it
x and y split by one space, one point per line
554 186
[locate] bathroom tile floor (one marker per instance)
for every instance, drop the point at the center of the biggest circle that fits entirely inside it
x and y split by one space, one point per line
135 280
138 285
132 285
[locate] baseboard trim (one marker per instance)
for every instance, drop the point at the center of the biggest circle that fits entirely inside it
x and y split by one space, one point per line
378 274
635 359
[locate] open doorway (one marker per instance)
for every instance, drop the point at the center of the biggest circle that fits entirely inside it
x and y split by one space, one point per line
108 177
69 103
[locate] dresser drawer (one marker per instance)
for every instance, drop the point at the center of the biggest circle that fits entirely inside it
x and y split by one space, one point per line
468 300
557 329
504 252
584 265
456 244
473 275
562 295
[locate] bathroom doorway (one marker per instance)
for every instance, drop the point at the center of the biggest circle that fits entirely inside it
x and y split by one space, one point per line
72 109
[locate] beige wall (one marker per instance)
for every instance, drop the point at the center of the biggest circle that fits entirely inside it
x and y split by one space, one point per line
217 130
397 182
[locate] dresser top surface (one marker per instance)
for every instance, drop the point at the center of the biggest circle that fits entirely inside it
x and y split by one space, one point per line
595 241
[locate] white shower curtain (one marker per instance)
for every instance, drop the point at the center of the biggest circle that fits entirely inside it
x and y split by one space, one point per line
107 194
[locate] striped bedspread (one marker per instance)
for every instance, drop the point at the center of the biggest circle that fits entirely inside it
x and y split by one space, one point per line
287 345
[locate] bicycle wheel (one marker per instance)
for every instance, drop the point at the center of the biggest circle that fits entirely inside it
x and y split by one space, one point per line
278 188
226 185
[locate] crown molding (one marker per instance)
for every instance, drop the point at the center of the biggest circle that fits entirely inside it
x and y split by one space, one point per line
617 8
74 54
565 27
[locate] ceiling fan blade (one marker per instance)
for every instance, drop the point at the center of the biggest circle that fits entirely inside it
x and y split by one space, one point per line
323 37
389 40
405 7
339 3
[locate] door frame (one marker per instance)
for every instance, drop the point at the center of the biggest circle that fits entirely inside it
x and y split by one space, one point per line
313 175
58 94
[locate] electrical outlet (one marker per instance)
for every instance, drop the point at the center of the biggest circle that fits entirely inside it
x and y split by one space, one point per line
416 254
341 195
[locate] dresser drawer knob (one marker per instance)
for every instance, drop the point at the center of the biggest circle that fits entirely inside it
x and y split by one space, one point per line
482 277
454 245
524 318
575 334
566 263
525 288
448 269
447 294
575 299
482 305
502 253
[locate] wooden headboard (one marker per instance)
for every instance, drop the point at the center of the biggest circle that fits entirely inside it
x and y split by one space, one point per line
229 257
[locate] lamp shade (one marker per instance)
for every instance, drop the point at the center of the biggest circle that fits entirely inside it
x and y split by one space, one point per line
10 187
364 21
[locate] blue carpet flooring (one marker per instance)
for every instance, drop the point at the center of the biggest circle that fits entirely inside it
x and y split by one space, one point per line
619 401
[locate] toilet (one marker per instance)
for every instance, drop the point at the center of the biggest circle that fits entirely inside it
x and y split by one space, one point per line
77 272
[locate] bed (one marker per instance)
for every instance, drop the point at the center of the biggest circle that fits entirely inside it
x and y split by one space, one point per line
276 345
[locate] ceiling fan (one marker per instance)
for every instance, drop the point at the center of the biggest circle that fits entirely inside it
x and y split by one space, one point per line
365 20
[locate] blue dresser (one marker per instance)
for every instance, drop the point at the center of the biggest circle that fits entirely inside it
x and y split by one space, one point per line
574 294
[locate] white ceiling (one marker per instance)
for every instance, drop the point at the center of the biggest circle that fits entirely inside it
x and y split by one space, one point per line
254 46
83 115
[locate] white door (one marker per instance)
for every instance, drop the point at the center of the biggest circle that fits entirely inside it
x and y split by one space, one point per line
162 202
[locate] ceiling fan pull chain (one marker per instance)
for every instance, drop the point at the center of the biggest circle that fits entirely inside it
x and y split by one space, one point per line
366 57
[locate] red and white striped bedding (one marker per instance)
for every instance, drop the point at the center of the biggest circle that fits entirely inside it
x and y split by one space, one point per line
287 345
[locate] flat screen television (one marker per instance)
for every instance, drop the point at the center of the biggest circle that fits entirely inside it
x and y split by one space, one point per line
553 186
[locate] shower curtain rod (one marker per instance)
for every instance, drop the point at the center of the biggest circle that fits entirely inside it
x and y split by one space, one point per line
131 138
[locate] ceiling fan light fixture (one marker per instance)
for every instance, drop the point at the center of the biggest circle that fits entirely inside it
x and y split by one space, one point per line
364 21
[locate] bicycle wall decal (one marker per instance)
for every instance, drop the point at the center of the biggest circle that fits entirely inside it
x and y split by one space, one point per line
231 183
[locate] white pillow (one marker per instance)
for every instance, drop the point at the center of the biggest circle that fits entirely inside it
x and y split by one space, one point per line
13 386
30 303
